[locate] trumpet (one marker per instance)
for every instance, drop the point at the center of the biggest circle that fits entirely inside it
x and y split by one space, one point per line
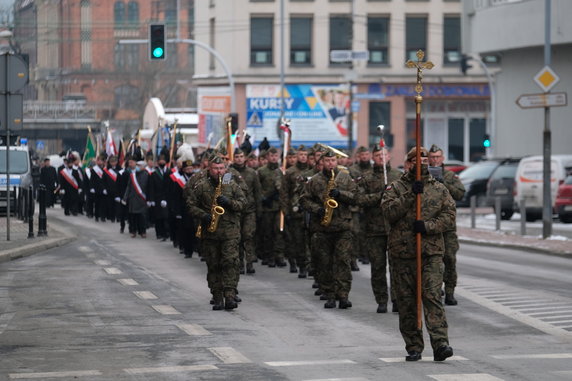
329 203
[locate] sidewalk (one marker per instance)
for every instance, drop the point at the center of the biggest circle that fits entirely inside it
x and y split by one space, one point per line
21 246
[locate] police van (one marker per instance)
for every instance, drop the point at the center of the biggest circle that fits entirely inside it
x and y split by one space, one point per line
20 174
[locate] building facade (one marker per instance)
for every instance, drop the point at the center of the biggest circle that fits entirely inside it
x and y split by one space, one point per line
248 35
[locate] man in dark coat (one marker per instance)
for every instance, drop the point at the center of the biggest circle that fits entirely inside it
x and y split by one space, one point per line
49 179
159 183
137 199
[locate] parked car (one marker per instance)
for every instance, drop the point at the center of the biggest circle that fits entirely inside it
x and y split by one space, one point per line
529 181
563 203
455 165
475 178
20 175
501 184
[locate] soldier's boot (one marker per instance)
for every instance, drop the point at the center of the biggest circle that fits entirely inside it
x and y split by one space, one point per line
450 299
323 297
250 268
229 300
354 265
394 306
345 303
315 285
382 308
302 274
442 353
237 298
331 303
217 302
318 292
293 268
241 267
413 356
280 262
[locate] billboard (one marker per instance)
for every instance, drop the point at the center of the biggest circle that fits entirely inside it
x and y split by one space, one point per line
318 113
214 106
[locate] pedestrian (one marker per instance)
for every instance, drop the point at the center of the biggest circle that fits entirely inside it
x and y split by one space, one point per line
158 182
178 205
137 198
98 190
71 184
111 179
49 179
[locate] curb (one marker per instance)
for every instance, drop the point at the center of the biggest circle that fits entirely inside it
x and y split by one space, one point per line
38 247
514 246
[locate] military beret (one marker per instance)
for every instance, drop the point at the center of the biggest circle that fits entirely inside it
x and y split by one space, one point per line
238 151
216 160
272 150
263 153
435 148
222 151
251 155
329 153
187 163
376 148
361 149
413 152
291 152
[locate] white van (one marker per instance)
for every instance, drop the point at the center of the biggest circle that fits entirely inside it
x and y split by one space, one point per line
20 174
528 182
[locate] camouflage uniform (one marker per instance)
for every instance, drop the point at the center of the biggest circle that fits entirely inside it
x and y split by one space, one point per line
272 247
360 248
220 247
372 186
291 189
332 243
457 191
438 214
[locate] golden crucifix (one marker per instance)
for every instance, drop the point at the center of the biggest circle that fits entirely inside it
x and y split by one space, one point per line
420 66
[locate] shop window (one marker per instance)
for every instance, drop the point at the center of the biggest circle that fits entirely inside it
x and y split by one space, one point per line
377 39
379 113
300 40
261 35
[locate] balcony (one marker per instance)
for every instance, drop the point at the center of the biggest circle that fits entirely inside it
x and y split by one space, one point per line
59 112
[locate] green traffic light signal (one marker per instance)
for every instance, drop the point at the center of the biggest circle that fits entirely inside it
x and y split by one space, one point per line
158 52
486 141
157 41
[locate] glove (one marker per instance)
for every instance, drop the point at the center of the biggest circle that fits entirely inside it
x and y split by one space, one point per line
417 187
149 204
79 191
117 199
206 219
321 212
105 192
163 204
62 191
334 193
179 217
419 227
223 201
124 202
92 190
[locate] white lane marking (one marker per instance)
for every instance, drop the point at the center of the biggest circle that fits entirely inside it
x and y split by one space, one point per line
301 363
80 373
561 322
514 314
567 312
465 377
508 298
112 270
147 295
546 307
193 329
102 263
535 356
165 309
84 249
128 282
402 359
340 379
170 369
563 372
229 355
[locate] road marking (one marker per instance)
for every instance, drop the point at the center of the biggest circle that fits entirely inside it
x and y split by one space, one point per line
170 369
465 377
508 298
229 355
166 310
541 305
301 363
128 282
84 249
340 379
535 356
555 306
402 359
563 372
112 270
80 373
147 295
551 313
561 322
193 329
102 263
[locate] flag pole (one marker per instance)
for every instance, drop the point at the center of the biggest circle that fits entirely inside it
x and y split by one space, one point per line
420 66
285 126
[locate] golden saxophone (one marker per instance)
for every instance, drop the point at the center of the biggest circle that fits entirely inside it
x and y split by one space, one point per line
216 211
329 203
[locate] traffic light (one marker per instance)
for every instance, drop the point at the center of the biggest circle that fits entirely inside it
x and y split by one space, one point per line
486 141
465 64
157 41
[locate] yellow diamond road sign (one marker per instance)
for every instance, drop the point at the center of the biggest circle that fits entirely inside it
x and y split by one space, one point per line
546 78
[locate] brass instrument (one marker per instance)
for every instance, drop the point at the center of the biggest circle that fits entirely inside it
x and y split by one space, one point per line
329 203
216 211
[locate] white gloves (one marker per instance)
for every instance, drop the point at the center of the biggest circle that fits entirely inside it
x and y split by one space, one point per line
117 199
92 190
149 204
124 202
163 204
105 192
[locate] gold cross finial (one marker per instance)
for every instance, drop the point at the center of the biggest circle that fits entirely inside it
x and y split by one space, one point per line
420 66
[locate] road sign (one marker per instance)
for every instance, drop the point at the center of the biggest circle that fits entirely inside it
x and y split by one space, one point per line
17 76
349 55
546 78
12 111
542 100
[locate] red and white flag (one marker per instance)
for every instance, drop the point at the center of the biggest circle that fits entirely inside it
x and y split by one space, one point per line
110 148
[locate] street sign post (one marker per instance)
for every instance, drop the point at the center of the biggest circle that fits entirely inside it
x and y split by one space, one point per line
542 100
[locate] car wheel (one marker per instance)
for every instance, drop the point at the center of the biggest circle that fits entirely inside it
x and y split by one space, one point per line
566 218
531 217
506 214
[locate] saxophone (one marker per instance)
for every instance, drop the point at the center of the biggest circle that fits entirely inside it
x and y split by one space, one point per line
329 203
216 211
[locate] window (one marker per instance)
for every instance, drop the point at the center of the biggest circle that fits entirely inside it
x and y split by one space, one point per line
133 13
340 33
127 97
379 113
300 40
415 36
171 12
456 128
451 39
119 13
261 40
377 39
126 56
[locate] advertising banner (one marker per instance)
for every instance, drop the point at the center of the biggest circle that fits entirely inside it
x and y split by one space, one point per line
214 106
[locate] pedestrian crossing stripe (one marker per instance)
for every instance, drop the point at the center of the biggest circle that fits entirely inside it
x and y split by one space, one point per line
425 359
254 120
465 377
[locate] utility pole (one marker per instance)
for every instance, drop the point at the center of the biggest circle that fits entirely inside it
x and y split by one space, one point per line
350 85
547 151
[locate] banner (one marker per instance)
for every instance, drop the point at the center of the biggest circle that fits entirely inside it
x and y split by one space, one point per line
318 113
214 107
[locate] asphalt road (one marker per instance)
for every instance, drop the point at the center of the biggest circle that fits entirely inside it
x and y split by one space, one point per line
108 307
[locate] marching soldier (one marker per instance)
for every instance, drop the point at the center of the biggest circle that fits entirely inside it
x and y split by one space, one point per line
290 192
290 158
220 233
438 216
372 187
332 236
252 161
457 191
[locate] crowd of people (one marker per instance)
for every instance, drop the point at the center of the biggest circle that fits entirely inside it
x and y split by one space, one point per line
318 213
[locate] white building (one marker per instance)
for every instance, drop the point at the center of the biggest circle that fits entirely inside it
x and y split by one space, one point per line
514 31
246 33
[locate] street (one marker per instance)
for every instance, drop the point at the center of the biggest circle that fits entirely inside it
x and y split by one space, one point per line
109 307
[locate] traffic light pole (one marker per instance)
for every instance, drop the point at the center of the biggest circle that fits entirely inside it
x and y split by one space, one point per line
210 50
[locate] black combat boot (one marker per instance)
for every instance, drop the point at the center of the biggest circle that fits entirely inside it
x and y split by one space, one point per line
217 302
382 308
450 300
331 303
318 292
229 300
315 285
354 266
345 303
394 307
302 274
413 356
442 353
250 268
293 268
281 263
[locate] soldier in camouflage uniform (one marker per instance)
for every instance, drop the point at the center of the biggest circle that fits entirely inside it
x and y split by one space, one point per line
248 216
272 245
293 183
457 191
358 171
221 246
372 186
437 216
332 242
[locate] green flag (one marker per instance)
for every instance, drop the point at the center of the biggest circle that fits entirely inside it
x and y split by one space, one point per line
89 152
